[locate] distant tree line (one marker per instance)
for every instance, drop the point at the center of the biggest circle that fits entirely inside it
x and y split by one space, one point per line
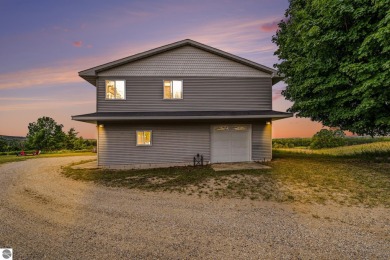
46 135
11 144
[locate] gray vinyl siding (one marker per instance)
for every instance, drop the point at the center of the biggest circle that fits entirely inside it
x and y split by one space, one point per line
199 93
261 142
185 61
170 143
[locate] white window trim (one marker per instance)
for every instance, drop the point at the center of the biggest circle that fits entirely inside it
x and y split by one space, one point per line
182 89
105 89
136 137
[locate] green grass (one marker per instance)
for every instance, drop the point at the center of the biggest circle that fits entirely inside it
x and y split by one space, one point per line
344 180
14 158
370 149
294 177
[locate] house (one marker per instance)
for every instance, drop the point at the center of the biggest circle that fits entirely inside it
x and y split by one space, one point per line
165 105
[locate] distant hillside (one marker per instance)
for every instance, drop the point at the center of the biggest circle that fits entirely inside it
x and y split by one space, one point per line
18 138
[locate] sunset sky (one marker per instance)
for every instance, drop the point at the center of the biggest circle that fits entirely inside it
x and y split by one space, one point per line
45 43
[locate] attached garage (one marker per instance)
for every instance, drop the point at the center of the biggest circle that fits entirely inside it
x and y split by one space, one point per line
231 143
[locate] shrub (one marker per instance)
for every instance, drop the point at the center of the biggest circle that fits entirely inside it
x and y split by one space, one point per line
327 139
277 145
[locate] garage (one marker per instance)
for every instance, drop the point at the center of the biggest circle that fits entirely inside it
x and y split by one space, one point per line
230 143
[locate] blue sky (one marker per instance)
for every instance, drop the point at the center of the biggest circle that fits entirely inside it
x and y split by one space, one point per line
45 43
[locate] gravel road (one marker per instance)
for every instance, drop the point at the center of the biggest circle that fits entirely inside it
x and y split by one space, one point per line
45 215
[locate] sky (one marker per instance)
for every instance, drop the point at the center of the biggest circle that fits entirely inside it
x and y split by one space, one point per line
44 44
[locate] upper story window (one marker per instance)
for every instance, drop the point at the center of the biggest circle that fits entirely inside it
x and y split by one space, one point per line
115 89
173 89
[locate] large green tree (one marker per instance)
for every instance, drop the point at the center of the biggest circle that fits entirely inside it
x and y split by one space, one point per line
45 134
335 56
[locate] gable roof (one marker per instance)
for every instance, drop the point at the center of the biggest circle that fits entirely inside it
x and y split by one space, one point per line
90 75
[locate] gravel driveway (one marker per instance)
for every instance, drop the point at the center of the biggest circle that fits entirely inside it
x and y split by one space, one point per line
44 214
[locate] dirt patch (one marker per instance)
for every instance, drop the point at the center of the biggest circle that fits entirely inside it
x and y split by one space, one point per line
35 195
238 166
152 180
156 180
87 165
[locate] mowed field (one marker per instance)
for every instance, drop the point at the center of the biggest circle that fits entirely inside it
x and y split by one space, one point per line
369 150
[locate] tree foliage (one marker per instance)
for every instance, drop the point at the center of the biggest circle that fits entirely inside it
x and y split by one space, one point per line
335 56
327 138
45 134
71 139
72 142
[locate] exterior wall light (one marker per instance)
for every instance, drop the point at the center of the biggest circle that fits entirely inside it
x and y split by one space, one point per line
101 126
268 122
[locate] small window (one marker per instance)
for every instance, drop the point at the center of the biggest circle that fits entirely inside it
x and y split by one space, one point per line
173 89
240 128
222 128
144 137
115 89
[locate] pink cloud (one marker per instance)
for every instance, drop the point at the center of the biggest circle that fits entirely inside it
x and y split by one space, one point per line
269 27
237 36
51 104
22 99
65 71
39 77
78 44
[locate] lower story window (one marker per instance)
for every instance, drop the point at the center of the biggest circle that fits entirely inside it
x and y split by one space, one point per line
144 137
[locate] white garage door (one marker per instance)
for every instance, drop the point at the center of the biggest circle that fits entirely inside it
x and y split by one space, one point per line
230 143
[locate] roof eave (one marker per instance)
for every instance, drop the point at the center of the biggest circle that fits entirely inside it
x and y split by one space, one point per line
276 79
161 118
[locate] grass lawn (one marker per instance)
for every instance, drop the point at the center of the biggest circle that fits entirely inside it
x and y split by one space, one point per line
294 177
14 158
